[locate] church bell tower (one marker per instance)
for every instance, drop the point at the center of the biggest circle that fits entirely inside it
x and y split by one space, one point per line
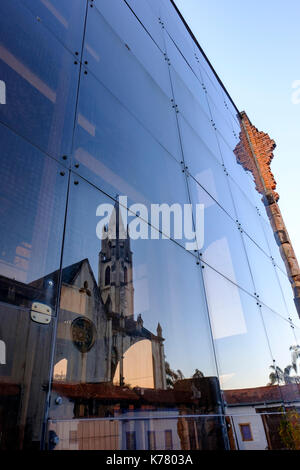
115 267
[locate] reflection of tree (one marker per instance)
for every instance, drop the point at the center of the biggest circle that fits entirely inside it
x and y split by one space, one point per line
295 352
283 377
198 374
173 376
289 430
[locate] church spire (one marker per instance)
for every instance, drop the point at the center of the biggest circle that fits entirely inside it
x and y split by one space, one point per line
115 264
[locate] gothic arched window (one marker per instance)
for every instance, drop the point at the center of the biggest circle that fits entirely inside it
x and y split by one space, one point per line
114 361
107 276
125 275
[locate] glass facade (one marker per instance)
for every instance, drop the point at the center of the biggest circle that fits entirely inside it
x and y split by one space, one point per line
131 342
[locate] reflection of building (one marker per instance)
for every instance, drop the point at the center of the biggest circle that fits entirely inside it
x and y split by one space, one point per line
115 267
100 371
116 377
109 307
256 415
151 121
177 418
93 337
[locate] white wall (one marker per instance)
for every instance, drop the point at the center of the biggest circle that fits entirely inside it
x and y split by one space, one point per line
241 415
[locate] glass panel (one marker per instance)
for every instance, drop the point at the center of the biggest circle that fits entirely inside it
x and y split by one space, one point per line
208 76
285 370
297 333
147 17
243 355
188 78
116 153
33 193
215 97
232 117
65 19
233 112
217 94
273 247
178 32
236 126
204 167
155 5
266 283
191 110
129 320
288 296
255 197
222 246
137 90
25 349
235 170
248 217
134 36
222 124
40 94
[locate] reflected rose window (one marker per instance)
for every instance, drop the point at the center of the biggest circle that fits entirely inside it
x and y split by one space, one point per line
83 334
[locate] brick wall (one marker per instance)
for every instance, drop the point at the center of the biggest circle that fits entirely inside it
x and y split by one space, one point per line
255 153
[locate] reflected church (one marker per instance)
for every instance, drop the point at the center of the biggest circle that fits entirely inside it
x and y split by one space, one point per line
99 318
108 364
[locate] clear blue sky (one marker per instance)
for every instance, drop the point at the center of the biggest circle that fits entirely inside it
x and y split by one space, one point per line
255 49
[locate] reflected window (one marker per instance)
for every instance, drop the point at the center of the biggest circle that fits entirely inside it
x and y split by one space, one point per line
137 365
114 361
168 439
73 438
130 440
107 276
60 370
151 440
246 432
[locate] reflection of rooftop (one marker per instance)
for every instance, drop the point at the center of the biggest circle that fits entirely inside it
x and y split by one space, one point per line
168 397
18 293
97 391
196 393
9 389
261 395
109 392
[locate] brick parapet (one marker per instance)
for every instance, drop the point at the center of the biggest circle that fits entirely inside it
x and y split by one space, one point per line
255 153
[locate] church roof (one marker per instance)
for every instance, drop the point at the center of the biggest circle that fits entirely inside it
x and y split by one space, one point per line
69 274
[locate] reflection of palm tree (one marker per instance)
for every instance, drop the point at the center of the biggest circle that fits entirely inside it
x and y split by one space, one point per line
198 374
173 376
179 374
295 352
282 377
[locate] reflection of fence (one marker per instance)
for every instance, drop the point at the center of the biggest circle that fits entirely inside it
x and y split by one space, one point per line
89 434
184 432
260 431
